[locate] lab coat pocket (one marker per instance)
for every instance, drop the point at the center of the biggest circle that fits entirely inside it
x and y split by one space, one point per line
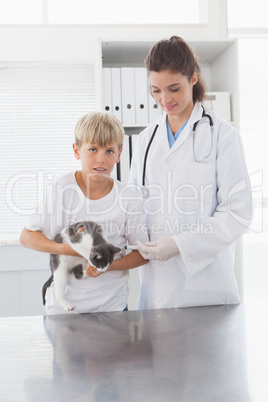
218 276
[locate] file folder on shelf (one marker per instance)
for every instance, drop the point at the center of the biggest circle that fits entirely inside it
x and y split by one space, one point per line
107 89
155 110
116 93
141 96
134 139
125 161
128 95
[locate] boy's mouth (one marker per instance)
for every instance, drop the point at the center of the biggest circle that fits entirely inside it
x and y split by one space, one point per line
100 169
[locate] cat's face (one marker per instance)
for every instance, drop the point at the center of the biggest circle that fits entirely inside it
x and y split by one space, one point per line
102 256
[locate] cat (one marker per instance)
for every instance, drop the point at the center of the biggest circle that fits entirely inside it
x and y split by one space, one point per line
87 239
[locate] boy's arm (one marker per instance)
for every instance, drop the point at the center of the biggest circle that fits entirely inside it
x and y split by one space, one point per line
37 241
129 261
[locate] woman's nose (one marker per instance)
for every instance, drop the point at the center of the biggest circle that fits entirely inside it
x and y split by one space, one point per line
166 98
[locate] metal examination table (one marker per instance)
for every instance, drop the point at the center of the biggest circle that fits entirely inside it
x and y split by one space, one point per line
217 353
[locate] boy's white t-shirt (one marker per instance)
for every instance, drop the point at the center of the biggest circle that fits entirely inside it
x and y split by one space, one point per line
121 216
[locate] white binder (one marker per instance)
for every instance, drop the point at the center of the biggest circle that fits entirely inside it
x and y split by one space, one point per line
219 102
128 95
107 89
155 110
124 161
141 96
134 139
116 93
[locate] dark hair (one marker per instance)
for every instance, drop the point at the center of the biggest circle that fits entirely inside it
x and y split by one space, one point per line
175 55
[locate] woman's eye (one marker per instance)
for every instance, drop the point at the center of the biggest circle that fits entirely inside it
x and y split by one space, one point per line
155 91
174 90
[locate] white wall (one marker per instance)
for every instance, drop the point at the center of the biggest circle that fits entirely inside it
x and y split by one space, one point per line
61 43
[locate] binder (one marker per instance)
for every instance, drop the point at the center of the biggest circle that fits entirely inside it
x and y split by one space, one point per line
219 102
107 89
128 95
125 161
116 93
134 139
141 96
155 110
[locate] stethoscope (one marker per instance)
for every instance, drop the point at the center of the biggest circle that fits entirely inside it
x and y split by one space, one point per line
145 191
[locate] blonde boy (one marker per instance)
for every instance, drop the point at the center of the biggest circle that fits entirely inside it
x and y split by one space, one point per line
91 194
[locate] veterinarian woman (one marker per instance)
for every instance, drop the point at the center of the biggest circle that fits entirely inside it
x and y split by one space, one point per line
191 171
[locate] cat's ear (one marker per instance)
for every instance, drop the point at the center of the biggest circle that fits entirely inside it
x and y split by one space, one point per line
80 229
76 238
114 249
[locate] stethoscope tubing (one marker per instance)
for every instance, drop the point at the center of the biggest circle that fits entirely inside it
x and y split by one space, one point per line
204 114
146 155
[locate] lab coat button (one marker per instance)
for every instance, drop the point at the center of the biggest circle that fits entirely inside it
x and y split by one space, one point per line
160 299
160 263
168 159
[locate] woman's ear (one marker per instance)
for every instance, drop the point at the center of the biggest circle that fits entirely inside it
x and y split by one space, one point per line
194 78
119 155
76 151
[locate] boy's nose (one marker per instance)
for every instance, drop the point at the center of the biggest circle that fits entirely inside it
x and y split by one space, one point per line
101 157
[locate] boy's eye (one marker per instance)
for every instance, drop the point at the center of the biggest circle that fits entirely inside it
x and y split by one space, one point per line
110 151
92 150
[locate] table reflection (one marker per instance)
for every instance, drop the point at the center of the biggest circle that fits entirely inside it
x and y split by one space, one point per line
174 354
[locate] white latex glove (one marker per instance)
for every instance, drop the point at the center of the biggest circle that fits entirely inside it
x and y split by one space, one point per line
162 249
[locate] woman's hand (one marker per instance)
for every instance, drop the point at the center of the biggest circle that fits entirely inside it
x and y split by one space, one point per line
162 249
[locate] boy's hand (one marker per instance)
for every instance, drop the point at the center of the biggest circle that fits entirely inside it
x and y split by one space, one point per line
92 271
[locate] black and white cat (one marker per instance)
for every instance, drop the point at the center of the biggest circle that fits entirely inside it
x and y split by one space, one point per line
89 243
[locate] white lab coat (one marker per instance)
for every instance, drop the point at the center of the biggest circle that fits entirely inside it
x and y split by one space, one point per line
205 206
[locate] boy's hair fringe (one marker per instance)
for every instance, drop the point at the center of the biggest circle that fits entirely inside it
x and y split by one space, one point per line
101 128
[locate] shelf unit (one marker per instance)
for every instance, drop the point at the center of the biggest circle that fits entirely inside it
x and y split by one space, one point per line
218 59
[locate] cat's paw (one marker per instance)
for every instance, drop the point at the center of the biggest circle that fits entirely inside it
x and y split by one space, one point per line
67 306
71 307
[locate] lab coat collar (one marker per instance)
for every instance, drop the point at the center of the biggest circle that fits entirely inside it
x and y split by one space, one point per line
196 115
161 135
